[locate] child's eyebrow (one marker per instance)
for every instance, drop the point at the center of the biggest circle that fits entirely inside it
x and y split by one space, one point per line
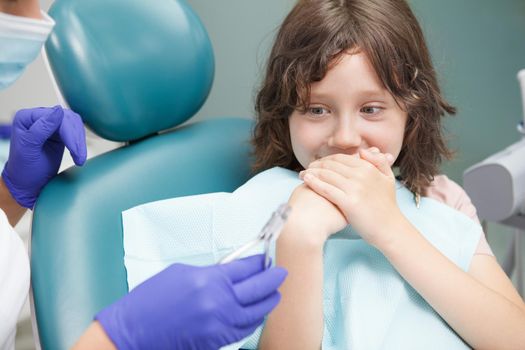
320 95
364 93
375 93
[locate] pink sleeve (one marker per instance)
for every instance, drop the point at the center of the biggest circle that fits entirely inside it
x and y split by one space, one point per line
450 193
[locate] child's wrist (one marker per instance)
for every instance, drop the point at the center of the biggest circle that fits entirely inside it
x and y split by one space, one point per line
302 236
393 237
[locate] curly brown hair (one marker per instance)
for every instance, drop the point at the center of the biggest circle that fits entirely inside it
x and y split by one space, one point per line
313 36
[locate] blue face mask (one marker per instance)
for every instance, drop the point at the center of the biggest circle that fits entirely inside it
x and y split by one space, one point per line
21 39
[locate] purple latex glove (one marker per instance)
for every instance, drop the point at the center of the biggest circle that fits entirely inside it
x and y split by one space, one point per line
37 145
5 131
188 307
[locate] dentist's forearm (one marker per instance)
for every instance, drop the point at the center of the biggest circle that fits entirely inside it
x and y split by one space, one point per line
23 8
482 317
94 338
11 208
297 322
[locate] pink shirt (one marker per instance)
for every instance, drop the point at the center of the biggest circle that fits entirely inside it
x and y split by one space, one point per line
446 191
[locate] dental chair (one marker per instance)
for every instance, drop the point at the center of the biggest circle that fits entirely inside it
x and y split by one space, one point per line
132 69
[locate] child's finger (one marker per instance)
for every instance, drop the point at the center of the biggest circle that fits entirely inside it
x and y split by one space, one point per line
389 157
379 160
330 164
330 177
331 193
345 159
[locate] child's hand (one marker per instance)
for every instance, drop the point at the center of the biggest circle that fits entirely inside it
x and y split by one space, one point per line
362 188
314 217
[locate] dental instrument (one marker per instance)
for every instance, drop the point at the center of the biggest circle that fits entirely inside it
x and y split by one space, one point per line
269 233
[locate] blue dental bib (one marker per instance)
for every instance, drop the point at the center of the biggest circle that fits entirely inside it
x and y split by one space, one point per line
367 304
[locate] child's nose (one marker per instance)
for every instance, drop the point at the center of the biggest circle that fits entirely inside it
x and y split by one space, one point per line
345 136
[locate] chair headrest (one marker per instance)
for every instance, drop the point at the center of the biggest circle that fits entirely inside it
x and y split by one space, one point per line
130 68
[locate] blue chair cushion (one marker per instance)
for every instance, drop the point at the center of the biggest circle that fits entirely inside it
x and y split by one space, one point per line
130 68
77 254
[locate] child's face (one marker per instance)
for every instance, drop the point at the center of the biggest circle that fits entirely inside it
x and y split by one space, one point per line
349 110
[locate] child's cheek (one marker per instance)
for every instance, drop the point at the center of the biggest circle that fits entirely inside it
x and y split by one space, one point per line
302 144
301 154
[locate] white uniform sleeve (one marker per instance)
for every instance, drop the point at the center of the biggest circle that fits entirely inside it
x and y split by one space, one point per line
14 281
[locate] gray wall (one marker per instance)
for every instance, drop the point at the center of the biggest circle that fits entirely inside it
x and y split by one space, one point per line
477 46
241 32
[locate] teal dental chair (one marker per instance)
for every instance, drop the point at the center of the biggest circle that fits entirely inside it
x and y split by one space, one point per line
131 69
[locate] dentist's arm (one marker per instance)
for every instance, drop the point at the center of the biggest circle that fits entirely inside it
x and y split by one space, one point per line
11 208
38 139
94 338
23 8
188 307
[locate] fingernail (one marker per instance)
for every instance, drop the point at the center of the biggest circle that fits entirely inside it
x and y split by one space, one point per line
301 174
374 150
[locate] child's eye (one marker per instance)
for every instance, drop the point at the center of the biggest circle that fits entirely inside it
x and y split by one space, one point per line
371 110
317 111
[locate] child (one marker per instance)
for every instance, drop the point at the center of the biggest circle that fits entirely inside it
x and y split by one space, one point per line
349 92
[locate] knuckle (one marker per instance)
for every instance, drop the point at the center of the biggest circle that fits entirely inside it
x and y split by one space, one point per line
325 190
332 164
360 175
321 175
340 157
200 282
205 301
369 166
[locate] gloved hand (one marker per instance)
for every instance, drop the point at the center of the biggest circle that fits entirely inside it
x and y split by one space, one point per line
187 307
37 145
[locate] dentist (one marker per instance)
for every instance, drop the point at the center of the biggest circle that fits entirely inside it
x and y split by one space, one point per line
182 307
